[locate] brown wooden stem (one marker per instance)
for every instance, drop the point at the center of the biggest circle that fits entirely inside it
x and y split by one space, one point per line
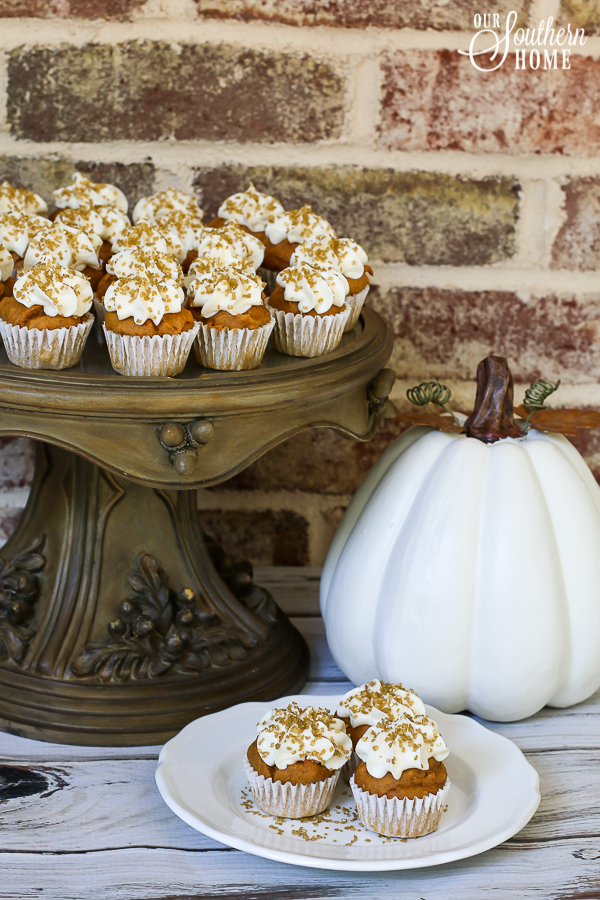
492 417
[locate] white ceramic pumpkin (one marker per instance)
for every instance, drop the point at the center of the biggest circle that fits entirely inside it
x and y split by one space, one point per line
470 571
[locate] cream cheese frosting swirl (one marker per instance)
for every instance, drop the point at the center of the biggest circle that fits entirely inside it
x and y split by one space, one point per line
378 701
83 193
139 298
214 288
293 734
250 208
104 222
20 200
396 745
7 263
163 203
183 227
148 235
341 254
149 263
60 291
311 288
64 245
298 225
17 229
230 246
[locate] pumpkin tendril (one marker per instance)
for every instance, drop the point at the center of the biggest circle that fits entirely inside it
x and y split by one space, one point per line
431 392
535 398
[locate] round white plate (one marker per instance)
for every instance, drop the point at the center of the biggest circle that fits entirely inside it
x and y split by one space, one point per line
494 792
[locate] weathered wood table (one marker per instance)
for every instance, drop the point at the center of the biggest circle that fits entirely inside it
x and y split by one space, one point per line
80 823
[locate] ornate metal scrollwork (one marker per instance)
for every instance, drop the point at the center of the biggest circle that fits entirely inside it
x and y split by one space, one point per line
378 392
19 591
182 442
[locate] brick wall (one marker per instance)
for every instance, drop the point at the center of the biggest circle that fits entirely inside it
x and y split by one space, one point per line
478 195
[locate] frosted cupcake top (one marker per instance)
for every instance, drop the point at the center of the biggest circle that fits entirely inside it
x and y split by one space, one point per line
17 229
7 263
83 193
378 701
298 225
341 254
148 235
139 298
250 208
215 288
62 244
163 203
106 222
20 200
311 288
230 246
183 226
60 291
400 744
293 734
149 263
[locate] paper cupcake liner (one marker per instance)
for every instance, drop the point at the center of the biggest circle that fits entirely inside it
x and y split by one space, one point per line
292 801
400 818
45 348
349 768
299 335
232 348
355 302
100 310
160 355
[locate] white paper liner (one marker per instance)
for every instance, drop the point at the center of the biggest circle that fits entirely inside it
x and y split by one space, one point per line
232 348
400 818
159 355
45 348
292 801
100 310
355 302
299 335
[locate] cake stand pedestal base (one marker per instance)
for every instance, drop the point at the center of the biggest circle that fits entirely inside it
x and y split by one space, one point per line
119 623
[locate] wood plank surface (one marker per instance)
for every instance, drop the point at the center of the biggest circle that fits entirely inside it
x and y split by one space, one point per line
85 823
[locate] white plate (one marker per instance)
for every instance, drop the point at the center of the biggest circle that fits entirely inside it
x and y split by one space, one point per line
494 793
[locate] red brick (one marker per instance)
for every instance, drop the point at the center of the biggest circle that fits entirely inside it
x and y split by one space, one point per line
421 14
577 245
79 9
436 100
266 538
443 334
16 463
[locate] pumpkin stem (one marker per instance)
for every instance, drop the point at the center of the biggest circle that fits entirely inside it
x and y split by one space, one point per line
492 417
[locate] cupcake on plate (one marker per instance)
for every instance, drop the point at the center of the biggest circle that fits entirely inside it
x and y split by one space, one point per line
310 310
251 210
152 237
102 224
231 245
147 329
294 764
285 232
7 265
401 783
21 200
372 703
83 193
345 256
17 230
46 322
67 246
235 325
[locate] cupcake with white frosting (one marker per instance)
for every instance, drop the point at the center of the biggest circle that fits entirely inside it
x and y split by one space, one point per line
7 265
67 246
310 310
101 223
401 783
286 231
46 322
250 209
231 245
152 237
176 213
345 256
235 324
147 329
21 200
83 193
17 230
294 764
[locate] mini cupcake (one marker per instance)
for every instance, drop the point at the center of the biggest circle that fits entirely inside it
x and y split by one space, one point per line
20 200
372 703
401 783
83 193
310 310
342 255
147 330
286 231
231 245
17 230
148 235
7 264
46 322
294 764
251 210
235 325
164 203
102 224
67 246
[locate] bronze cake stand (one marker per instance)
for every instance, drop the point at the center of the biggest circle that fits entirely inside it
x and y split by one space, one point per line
119 622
